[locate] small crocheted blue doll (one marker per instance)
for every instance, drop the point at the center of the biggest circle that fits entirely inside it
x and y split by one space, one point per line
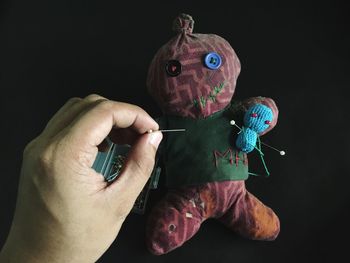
256 120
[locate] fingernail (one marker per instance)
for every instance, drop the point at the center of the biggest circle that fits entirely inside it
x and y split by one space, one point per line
155 138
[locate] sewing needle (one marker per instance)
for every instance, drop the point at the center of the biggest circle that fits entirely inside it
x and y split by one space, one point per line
170 130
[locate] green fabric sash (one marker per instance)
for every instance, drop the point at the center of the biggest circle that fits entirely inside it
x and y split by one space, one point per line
205 152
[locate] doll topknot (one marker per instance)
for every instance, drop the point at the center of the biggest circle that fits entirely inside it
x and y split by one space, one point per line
183 24
181 81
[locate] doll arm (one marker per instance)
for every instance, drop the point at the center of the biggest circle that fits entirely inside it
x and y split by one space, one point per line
267 102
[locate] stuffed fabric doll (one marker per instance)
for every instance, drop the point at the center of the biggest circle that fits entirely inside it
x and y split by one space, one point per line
193 79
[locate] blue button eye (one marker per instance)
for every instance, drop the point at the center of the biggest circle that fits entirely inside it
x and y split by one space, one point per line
212 60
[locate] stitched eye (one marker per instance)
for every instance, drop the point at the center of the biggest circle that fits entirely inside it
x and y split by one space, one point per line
173 68
268 122
254 115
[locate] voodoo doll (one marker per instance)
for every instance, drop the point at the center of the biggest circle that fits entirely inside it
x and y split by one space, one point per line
193 79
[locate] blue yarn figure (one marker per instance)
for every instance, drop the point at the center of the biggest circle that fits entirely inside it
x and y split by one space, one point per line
256 120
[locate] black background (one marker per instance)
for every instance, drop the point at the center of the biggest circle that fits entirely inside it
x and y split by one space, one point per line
296 53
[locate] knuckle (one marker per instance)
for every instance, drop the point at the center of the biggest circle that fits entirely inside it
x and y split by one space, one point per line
132 107
93 97
104 105
74 100
138 109
38 153
29 148
44 157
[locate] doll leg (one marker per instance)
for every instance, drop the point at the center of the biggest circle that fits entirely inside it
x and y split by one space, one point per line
179 215
174 220
252 219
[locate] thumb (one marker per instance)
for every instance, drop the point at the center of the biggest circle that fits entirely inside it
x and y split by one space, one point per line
137 168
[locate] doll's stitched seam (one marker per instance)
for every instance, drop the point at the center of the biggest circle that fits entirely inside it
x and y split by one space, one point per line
233 153
212 96
218 154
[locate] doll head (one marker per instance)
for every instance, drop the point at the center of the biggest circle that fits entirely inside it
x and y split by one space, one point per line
193 75
258 118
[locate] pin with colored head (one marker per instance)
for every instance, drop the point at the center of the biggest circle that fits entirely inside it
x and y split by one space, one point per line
233 123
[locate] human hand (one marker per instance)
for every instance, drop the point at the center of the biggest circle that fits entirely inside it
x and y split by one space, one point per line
67 212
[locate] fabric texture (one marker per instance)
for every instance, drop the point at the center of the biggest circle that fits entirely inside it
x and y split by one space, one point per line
204 153
205 171
196 83
176 218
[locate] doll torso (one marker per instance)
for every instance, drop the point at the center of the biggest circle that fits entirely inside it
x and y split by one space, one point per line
204 153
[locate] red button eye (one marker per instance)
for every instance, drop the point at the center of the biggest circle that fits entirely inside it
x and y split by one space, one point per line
267 122
254 115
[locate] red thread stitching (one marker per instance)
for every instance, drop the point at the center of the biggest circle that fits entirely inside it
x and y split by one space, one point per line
237 158
218 154
245 159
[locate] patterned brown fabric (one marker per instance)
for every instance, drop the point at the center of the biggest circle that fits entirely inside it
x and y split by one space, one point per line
179 215
199 92
176 95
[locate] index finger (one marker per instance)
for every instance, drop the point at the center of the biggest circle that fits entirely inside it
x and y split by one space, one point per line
91 127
